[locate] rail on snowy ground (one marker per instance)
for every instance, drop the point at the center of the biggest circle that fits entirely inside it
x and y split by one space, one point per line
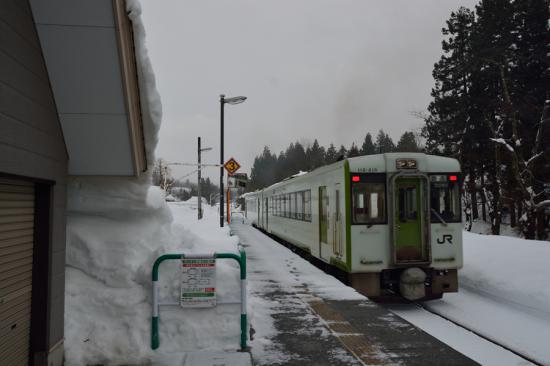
186 298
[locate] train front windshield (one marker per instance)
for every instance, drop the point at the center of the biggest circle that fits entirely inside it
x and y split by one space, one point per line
445 198
368 203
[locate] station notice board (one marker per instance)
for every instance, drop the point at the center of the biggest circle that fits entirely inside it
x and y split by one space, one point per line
198 283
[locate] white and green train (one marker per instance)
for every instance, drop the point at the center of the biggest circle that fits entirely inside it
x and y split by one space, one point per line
390 223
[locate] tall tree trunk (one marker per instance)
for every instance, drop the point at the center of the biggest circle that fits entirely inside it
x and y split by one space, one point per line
483 199
530 227
541 232
512 209
496 216
473 194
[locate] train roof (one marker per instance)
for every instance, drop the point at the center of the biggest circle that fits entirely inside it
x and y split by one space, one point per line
387 162
381 163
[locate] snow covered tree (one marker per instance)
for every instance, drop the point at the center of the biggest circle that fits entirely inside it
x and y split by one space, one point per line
493 75
162 174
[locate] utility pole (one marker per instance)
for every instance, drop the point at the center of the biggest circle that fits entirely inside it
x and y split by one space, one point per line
199 166
228 202
222 102
199 203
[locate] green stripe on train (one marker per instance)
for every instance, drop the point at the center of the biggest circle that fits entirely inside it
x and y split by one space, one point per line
347 179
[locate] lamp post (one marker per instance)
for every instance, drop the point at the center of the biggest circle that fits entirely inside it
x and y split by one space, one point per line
223 101
199 198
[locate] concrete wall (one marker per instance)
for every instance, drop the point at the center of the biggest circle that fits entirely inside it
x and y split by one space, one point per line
32 146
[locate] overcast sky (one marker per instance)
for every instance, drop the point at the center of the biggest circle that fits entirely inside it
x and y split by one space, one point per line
332 70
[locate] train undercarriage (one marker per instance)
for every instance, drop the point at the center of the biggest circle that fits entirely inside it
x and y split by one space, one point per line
387 285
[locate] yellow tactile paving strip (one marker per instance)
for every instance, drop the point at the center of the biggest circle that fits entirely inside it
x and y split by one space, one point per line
348 335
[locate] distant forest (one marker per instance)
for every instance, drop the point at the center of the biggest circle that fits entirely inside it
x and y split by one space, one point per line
488 111
268 168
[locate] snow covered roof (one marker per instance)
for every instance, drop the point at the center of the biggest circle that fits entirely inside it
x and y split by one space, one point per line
89 49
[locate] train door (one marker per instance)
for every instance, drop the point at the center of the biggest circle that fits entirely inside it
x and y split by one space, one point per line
409 243
266 213
259 217
337 224
324 224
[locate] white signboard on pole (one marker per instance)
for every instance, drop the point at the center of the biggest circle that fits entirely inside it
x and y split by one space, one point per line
198 283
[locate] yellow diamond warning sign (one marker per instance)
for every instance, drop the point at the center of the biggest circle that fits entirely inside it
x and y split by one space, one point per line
231 166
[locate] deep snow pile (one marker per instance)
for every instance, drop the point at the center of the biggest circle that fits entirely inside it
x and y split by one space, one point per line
109 261
509 268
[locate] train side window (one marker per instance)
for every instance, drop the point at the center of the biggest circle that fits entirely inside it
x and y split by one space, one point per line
293 205
368 203
300 205
307 205
287 205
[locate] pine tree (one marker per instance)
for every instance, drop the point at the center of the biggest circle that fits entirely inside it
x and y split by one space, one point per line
384 143
281 171
263 172
331 154
353 151
296 159
407 143
455 126
447 123
315 156
342 153
368 147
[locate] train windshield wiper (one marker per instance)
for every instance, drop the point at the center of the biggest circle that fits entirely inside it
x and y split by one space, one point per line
439 217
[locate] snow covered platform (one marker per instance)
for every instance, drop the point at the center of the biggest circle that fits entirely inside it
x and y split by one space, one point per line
302 316
204 358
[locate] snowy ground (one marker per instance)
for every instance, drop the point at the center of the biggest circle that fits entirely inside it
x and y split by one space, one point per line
281 283
109 305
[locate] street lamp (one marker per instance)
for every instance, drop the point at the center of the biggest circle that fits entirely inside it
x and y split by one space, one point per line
199 198
223 101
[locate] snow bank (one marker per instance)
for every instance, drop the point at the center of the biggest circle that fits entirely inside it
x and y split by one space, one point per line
108 294
508 268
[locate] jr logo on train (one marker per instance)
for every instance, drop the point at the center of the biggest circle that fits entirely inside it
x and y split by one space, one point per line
389 224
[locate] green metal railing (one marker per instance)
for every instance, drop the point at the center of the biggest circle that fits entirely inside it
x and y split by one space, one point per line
240 258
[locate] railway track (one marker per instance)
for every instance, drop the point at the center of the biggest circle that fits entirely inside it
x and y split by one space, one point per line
427 308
